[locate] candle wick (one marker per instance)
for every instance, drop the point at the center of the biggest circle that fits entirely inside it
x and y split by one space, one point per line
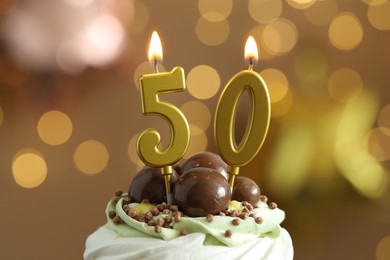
251 63
155 64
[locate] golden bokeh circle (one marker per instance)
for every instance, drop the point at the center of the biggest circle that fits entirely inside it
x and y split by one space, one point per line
279 37
91 157
374 2
54 127
345 84
378 144
216 10
283 106
29 169
383 249
212 33
265 11
378 15
203 82
140 18
384 117
345 31
322 12
301 4
197 114
277 83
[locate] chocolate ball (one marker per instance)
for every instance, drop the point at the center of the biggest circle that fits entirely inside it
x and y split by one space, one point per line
149 184
201 191
245 189
207 160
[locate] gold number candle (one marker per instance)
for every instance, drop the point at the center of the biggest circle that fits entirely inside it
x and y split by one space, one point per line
151 85
237 155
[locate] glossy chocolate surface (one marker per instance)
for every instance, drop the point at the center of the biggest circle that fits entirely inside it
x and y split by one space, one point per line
201 191
207 160
245 189
149 184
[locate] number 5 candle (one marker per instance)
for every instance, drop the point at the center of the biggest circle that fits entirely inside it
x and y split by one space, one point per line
151 85
237 155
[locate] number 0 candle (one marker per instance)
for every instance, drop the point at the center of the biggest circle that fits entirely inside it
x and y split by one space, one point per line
237 155
151 85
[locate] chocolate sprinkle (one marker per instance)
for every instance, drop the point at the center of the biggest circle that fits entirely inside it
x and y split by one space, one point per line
209 218
263 198
132 213
228 233
177 216
157 229
259 220
115 199
183 232
126 200
111 214
273 205
117 220
236 221
118 193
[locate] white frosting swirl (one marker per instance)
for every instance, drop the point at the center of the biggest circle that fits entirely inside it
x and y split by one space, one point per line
104 244
135 240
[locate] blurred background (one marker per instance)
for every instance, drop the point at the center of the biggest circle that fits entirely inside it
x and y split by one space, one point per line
70 113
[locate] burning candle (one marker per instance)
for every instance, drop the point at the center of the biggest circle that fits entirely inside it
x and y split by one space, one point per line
151 85
237 155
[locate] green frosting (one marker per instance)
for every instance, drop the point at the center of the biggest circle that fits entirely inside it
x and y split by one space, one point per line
247 229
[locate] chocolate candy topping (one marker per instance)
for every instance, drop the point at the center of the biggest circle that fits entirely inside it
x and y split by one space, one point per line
245 189
206 160
201 191
149 184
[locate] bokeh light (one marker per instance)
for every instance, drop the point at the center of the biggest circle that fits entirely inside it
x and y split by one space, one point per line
279 37
203 82
277 84
215 11
378 15
106 40
322 12
384 118
141 18
197 114
374 2
54 127
212 33
79 3
364 172
283 106
265 11
345 84
29 169
345 31
378 144
301 4
383 249
91 157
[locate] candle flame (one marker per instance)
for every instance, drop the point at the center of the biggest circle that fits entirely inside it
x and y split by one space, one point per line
155 49
251 53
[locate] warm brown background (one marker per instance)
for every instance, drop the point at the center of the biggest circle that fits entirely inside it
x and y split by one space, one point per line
325 161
